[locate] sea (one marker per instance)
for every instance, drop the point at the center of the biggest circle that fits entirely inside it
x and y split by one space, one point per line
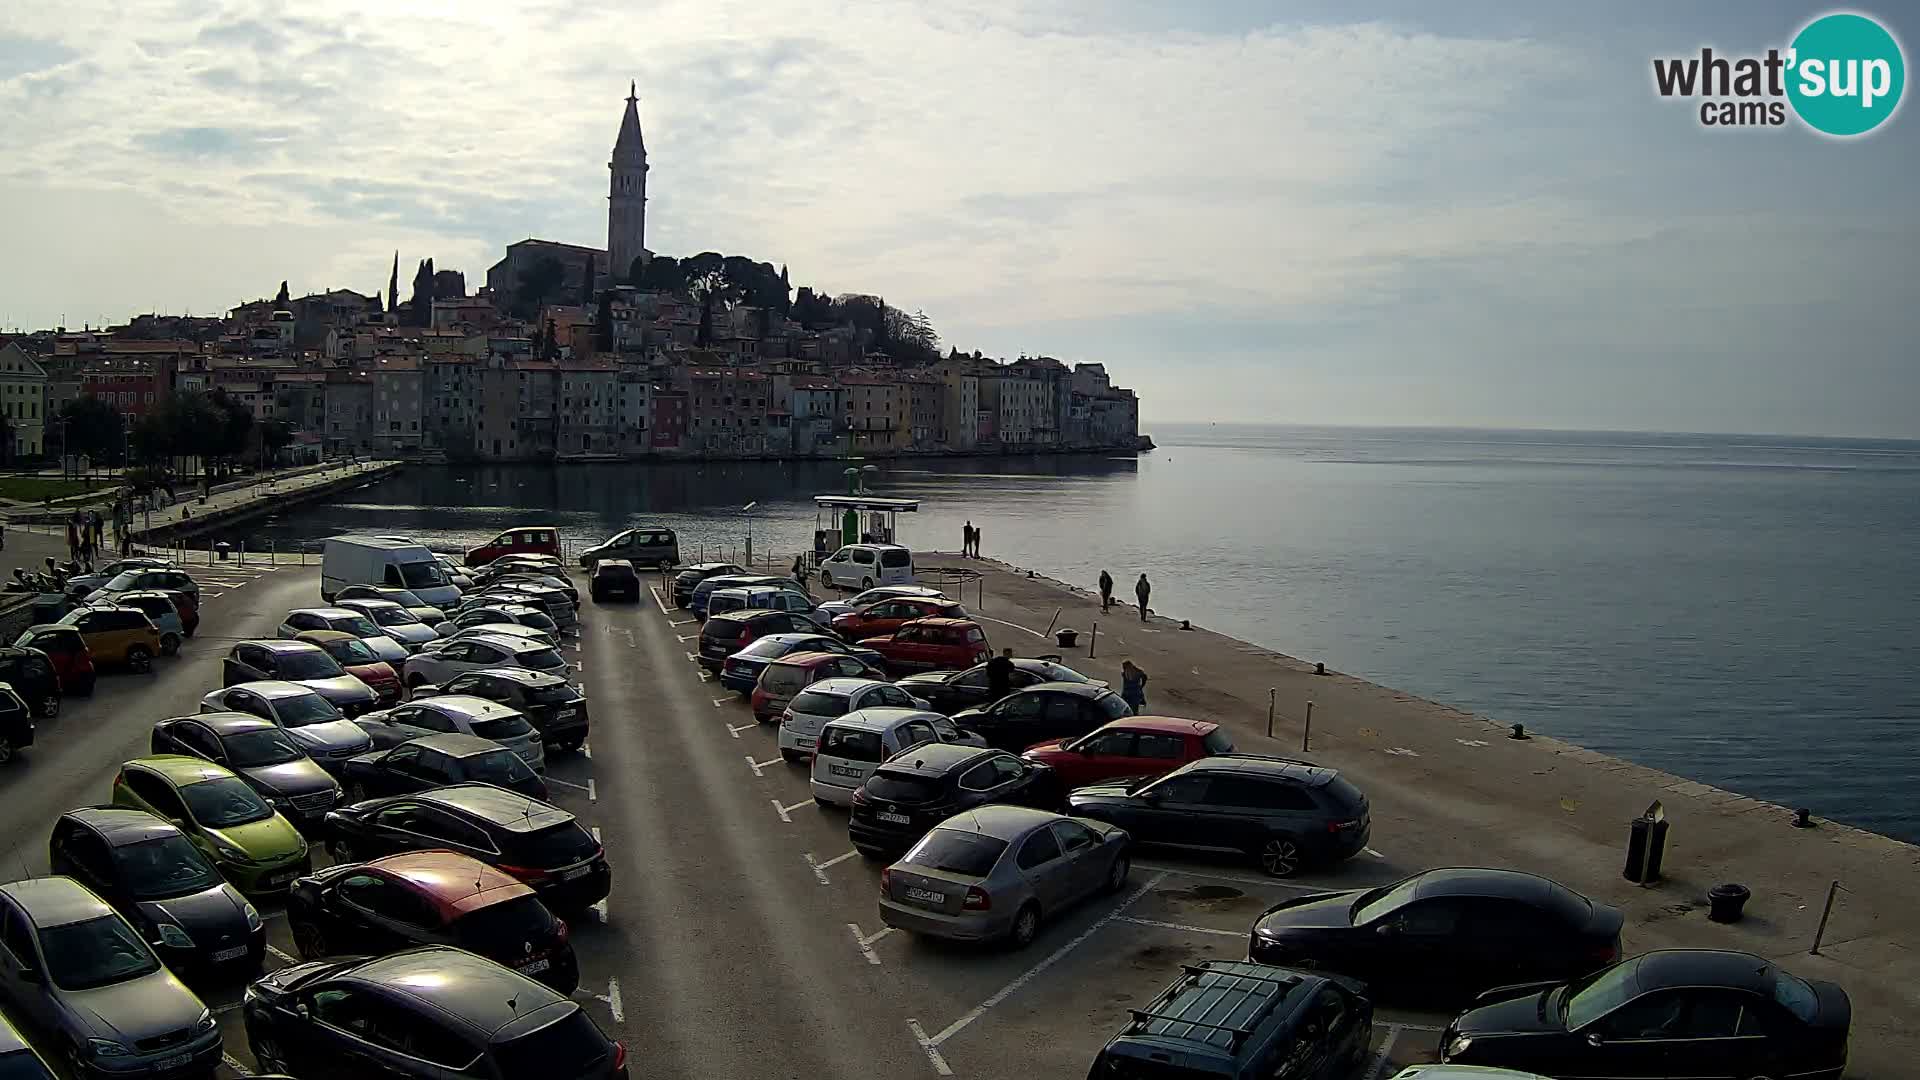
1742 610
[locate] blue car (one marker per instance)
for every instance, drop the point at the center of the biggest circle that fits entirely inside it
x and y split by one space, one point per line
741 672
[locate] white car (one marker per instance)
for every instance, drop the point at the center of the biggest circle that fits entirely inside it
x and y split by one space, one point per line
488 611
505 629
762 598
833 608
327 736
851 748
395 621
345 620
831 699
458 712
442 660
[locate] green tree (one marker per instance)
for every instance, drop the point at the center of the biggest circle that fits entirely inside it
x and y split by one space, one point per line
93 427
663 273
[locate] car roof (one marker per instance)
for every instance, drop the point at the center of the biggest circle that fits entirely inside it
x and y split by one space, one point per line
1171 725
477 708
882 718
936 759
289 644
456 744
465 987
1000 821
509 810
145 594
55 901
1077 689
708 567
456 883
274 689
1485 881
100 607
810 659
318 636
331 612
225 723
1704 967
523 676
844 684
361 603
180 769
618 564
1292 768
41 628
510 642
123 824
1463 1072
792 636
902 590
944 622
1217 1004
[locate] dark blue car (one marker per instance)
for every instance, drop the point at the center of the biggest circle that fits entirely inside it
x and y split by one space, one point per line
741 672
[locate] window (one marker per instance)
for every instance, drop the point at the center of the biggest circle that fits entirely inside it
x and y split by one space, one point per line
980 777
915 732
1021 707
18 939
1039 849
1258 794
1428 918
1061 708
1191 788
1166 747
155 793
1652 1016
1074 836
1112 743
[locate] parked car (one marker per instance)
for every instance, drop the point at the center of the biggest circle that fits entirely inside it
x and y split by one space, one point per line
741 671
1449 931
647 545
430 898
357 658
762 598
883 618
1677 1012
830 699
16 724
830 609
506 610
614 578
1282 813
557 603
442 660
83 975
932 644
691 576
1133 746
1235 1020
1043 712
517 578
318 725
512 630
188 606
79 585
298 662
540 844
397 561
1462 1072
697 600
723 635
924 786
164 613
447 713
781 679
256 847
427 613
866 565
150 873
344 619
525 560
18 1059
531 539
851 747
32 675
260 752
141 578
953 691
993 873
456 575
432 761
555 707
65 647
395 621
117 636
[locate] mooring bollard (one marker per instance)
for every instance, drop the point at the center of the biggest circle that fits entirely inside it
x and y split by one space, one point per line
1306 733
1272 693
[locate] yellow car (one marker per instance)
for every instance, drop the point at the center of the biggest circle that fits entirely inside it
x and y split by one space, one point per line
117 635
249 841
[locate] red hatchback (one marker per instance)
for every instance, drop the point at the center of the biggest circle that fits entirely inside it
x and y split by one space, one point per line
932 645
1130 746
66 649
527 540
889 615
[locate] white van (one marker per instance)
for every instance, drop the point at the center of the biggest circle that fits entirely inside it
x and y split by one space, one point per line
385 560
853 746
862 566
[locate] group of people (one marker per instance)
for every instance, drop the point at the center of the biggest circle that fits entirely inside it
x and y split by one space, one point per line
1133 681
1142 591
84 536
970 540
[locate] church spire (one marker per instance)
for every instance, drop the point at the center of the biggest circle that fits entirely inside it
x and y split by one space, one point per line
630 139
627 194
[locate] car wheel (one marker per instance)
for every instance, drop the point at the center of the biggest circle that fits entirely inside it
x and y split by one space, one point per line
169 644
310 940
866 583
50 705
1026 925
826 579
139 658
1280 856
267 1053
1117 876
6 751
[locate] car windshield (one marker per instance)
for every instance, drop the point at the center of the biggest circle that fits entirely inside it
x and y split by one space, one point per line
956 852
767 647
820 703
394 616
520 919
896 787
1387 898
540 659
95 953
224 802
299 710
502 767
402 596
259 749
123 581
1793 993
567 1047
1601 994
167 866
557 694
357 625
1113 705
501 727
425 574
351 651
307 665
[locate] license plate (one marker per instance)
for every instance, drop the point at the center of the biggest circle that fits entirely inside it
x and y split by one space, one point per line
174 1062
893 819
844 770
575 873
234 953
280 878
566 714
534 968
927 896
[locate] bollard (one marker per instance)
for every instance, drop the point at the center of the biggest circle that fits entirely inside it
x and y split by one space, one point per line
1050 622
1320 669
1646 845
1091 638
1802 818
243 553
1519 732
1271 692
1825 913
1306 733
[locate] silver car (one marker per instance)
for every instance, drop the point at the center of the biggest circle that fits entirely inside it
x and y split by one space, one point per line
463 713
505 629
993 873
406 598
328 737
503 610
76 969
395 621
831 609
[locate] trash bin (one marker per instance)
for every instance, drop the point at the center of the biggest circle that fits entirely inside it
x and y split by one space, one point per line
1647 845
223 547
1066 638
1725 902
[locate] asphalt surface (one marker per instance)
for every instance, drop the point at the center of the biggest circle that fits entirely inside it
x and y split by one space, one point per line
741 939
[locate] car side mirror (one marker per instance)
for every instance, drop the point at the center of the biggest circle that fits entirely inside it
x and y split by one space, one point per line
1594 1039
1386 929
1150 795
28 973
302 1011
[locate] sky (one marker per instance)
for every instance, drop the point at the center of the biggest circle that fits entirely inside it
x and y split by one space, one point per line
1463 214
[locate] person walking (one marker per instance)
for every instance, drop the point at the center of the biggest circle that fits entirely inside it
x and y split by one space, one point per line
73 536
1143 589
95 525
800 569
1133 687
1106 591
1000 675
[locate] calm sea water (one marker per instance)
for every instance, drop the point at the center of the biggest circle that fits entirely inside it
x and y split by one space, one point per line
1743 610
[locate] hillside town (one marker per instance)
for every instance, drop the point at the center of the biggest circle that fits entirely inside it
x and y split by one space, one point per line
569 353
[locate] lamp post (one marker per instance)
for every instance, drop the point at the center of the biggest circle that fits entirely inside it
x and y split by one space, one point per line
748 511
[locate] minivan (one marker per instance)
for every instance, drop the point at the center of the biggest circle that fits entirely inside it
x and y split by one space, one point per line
385 560
527 540
760 597
852 747
646 546
862 566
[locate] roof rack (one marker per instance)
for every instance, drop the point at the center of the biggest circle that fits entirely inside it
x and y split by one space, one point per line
1267 757
1235 1035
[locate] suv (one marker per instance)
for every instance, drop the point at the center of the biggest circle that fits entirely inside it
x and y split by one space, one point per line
690 577
1043 712
932 644
929 783
117 635
1237 1020
724 635
550 703
613 577
1281 812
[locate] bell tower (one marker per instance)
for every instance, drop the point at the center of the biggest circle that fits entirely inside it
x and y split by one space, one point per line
627 194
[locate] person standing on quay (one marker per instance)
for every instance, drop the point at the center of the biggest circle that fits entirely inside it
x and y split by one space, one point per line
966 539
1143 589
976 541
1106 591
1133 687
1000 675
73 537
800 569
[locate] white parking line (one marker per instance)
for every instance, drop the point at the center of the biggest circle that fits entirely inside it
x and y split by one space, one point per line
600 906
684 622
783 811
756 766
720 701
820 868
704 674
1375 854
684 638
933 1050
691 659
232 1063
1181 926
1386 1049
864 942
662 603
1243 879
586 751
736 730
1003 622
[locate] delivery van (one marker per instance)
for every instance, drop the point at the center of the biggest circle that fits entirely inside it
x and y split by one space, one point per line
385 560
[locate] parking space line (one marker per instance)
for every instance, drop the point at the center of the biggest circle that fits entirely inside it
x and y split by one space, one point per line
864 942
586 751
282 957
600 905
756 766
1265 883
662 603
1003 622
1386 1050
820 868
735 731
1052 958
1375 854
721 701
933 1049
592 790
683 622
232 1063
704 674
781 810
691 659
684 638
1181 926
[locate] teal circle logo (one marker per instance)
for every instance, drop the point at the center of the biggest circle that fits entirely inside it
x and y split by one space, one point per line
1845 74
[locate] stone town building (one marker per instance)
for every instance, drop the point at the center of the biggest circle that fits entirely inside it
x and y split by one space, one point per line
397 401
23 397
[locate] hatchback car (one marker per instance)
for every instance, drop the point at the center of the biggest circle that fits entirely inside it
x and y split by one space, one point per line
614 578
260 752
1282 813
66 649
507 629
407 598
79 585
830 699
851 747
32 675
993 873
830 609
1044 712
395 621
449 713
505 611
1678 1012
555 707
165 613
780 680
741 671
922 787
648 545
432 761
75 968
876 620
344 619
298 662
725 634
166 889
358 659
116 635
762 598
147 577
254 846
435 1011
932 644
1134 746
430 898
952 692
442 660
540 844
529 539
322 730
690 577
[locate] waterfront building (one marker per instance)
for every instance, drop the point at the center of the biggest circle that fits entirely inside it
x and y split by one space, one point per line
23 396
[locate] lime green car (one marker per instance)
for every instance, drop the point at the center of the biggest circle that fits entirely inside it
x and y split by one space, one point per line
258 850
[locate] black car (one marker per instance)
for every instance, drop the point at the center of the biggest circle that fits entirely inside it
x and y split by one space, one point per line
540 844
1283 813
432 761
951 691
1236 1020
31 675
1683 1012
613 577
430 898
729 632
554 706
741 671
691 576
301 662
918 789
1448 931
1043 712
16 724
149 872
261 753
432 1012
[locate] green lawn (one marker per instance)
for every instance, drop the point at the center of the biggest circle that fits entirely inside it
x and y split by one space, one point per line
36 488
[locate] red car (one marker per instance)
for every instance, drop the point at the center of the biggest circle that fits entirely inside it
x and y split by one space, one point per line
188 605
781 679
889 615
1131 746
932 644
66 649
529 540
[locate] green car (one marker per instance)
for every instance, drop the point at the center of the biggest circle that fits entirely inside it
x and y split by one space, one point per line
258 850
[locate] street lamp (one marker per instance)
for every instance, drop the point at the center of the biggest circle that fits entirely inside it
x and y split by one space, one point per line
748 510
